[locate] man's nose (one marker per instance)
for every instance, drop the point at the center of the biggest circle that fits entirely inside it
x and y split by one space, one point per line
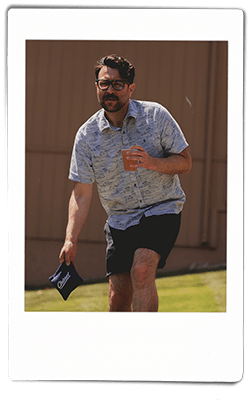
110 89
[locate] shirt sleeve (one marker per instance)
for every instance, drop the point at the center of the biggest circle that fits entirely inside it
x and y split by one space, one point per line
173 139
81 168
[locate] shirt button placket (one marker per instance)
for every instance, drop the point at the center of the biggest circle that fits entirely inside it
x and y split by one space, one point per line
124 137
125 142
136 188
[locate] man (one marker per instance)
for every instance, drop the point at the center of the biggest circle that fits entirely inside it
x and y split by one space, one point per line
143 205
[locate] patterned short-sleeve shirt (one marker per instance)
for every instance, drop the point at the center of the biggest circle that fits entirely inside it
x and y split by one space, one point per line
128 195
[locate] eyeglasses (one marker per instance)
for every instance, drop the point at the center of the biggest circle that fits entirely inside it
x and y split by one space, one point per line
116 84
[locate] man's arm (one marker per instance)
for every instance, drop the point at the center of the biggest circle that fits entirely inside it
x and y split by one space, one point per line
78 211
174 164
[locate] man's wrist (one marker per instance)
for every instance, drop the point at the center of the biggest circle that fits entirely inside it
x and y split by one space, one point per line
153 164
70 242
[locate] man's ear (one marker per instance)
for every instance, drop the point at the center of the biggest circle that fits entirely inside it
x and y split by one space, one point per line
131 88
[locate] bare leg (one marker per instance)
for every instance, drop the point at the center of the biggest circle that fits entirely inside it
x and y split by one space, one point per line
145 297
120 292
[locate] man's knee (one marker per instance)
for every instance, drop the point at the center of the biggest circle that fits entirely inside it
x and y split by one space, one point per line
140 276
119 303
144 268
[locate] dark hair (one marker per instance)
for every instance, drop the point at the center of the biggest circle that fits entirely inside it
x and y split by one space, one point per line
125 68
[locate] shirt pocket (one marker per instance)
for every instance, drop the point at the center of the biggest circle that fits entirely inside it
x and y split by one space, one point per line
150 141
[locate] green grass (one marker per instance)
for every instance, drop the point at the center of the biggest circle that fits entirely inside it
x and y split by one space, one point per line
203 292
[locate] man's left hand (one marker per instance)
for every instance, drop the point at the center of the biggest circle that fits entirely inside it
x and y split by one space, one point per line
141 156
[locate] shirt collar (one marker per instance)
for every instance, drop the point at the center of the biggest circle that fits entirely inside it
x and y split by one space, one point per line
132 109
104 123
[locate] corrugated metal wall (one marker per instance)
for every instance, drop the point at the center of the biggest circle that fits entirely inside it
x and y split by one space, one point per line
188 78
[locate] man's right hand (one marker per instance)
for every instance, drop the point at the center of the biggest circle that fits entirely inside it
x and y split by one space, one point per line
68 252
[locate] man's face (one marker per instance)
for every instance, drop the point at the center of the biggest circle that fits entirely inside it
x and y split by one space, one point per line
113 100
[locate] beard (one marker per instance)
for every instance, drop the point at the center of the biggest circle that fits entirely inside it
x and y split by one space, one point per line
111 103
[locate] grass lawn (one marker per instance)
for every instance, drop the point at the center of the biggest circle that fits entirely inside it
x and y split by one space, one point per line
203 292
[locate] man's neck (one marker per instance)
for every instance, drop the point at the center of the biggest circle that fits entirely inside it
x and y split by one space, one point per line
116 118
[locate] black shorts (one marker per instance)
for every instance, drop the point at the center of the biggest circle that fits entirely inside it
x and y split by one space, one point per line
158 233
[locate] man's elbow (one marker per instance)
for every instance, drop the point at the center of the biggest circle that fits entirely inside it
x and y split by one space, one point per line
186 161
188 166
